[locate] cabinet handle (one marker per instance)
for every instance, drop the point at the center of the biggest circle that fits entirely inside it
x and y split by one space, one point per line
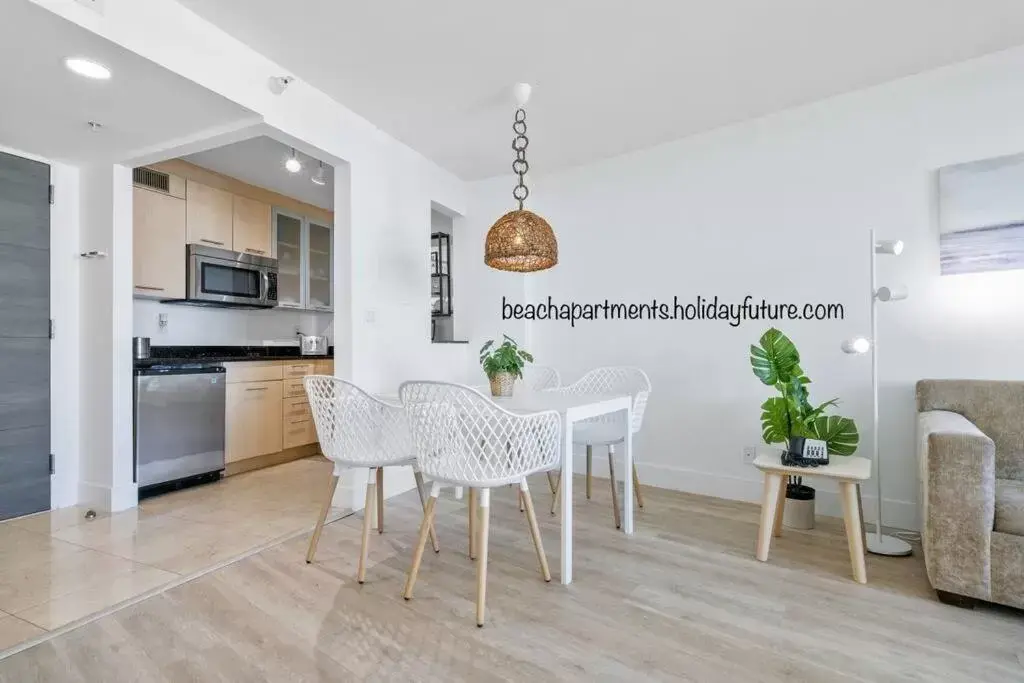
256 251
203 239
256 388
152 289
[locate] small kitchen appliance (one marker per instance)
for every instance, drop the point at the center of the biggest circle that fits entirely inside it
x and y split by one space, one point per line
312 344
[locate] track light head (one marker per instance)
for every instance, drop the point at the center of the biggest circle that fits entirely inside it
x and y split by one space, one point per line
278 84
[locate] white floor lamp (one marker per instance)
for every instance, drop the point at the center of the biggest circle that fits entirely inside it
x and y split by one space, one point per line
878 543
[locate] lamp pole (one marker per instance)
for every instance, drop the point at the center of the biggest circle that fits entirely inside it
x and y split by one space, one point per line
878 543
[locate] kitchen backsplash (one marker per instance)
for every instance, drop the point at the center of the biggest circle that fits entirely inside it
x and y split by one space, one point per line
187 325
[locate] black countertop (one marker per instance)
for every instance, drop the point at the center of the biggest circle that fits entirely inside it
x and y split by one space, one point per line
178 355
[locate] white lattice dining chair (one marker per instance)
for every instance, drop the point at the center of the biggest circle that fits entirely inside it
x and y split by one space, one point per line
462 438
610 430
541 378
356 430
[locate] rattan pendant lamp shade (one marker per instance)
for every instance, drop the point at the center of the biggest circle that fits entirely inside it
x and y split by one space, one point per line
521 241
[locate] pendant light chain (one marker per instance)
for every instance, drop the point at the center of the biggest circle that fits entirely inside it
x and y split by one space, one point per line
520 166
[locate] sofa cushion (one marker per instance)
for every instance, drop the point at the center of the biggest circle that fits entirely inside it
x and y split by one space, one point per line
1010 506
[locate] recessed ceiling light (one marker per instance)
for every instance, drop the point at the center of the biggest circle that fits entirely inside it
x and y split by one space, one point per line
319 178
293 164
87 68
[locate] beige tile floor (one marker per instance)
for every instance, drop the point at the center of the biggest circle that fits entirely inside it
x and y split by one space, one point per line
58 567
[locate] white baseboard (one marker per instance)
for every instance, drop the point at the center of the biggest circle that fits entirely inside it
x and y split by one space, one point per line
898 513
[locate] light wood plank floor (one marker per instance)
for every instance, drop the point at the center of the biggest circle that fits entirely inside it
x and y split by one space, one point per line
682 600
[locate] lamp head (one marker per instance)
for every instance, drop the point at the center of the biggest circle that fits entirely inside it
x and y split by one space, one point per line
856 345
892 247
891 293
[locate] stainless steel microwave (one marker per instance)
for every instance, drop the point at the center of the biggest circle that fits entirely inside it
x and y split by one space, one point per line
219 277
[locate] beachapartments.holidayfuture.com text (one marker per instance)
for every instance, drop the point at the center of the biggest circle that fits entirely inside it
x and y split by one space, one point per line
699 308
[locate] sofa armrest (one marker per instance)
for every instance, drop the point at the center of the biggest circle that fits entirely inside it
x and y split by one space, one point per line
958 502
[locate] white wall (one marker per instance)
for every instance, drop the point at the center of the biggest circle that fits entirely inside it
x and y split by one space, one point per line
780 208
104 360
382 261
195 325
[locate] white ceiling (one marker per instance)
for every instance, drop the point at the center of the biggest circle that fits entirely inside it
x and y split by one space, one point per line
45 109
609 76
260 161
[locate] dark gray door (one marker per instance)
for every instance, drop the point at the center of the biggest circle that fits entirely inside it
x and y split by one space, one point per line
24 336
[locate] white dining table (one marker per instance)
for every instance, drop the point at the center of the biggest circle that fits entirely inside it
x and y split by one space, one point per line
574 408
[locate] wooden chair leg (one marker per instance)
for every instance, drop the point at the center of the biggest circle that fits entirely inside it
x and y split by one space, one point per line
473 516
371 488
421 543
558 493
522 505
780 509
552 482
615 488
590 470
531 517
324 509
423 503
769 502
380 500
854 534
481 567
636 488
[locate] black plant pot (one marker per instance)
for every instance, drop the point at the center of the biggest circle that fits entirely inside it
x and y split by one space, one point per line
799 512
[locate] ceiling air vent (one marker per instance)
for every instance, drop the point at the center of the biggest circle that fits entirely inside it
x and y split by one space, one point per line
152 179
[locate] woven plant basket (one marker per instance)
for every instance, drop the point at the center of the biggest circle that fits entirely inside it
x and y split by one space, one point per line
502 384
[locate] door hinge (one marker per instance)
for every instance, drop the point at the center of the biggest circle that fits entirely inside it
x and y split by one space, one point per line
51 194
51 328
51 463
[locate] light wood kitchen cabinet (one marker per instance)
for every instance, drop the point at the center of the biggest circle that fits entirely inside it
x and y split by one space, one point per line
305 261
158 244
251 229
209 215
254 420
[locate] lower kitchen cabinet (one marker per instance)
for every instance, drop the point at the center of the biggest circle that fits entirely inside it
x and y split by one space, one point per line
254 425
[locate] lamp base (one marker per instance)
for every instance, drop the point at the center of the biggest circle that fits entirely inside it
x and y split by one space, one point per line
887 545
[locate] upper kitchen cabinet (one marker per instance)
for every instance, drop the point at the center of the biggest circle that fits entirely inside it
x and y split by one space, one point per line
304 255
209 214
318 272
158 241
252 231
289 259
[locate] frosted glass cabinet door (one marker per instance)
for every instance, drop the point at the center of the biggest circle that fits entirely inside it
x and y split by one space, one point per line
319 283
289 260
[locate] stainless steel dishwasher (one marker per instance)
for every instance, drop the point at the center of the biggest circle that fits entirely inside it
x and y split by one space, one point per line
179 425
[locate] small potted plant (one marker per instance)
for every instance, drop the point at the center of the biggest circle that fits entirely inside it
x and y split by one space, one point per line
776 362
503 364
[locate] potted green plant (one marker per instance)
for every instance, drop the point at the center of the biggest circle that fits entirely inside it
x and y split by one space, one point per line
776 362
503 364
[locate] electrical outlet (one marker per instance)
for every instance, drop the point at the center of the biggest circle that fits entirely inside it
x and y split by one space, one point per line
749 454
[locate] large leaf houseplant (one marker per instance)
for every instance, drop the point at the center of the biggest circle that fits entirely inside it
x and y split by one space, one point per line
776 362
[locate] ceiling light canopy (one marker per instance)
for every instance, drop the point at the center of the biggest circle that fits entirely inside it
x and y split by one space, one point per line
521 241
87 68
292 164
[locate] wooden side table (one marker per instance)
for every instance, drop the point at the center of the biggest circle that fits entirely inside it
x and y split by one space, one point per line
849 471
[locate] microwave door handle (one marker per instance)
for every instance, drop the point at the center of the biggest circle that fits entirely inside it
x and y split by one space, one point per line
265 294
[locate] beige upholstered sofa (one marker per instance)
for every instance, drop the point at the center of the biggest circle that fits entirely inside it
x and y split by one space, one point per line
971 455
